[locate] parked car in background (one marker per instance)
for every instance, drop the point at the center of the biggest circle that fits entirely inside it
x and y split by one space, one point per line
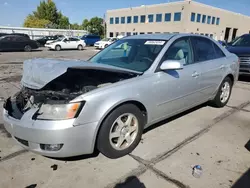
17 42
66 43
104 43
67 108
241 47
90 40
16 34
55 38
42 41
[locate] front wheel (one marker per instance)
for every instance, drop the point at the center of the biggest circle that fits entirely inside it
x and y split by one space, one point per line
80 47
27 48
58 47
223 95
121 131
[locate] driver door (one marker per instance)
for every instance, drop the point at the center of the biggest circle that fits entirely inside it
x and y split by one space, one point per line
178 90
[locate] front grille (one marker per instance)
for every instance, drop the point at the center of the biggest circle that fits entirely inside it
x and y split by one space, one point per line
24 142
244 59
245 66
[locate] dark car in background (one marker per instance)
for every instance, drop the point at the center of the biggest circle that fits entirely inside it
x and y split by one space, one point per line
90 40
241 47
16 42
42 41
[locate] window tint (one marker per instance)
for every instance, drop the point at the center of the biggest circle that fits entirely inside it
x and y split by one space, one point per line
158 17
117 20
242 41
219 52
143 18
192 17
122 20
73 39
177 16
204 49
129 19
198 19
111 20
150 18
208 19
217 21
204 18
20 39
213 20
167 17
181 51
135 19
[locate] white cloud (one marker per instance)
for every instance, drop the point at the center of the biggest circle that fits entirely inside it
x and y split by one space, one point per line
6 3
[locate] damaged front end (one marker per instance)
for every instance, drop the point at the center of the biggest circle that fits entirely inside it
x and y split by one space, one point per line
52 101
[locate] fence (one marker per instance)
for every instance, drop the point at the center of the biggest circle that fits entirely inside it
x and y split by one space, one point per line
35 33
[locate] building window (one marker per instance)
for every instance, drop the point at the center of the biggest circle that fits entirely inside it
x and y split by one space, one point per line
141 33
135 19
111 34
158 17
208 19
150 18
198 19
192 17
204 17
111 20
149 32
129 19
135 33
213 20
128 34
143 18
157 32
116 34
177 16
122 20
218 21
116 20
167 17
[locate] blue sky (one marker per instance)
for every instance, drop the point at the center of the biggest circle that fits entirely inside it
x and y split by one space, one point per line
13 12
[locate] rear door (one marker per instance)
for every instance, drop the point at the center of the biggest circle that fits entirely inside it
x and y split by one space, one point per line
212 61
5 43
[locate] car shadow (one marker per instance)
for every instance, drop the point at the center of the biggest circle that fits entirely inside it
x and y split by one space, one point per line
168 120
244 78
79 157
21 51
243 181
131 182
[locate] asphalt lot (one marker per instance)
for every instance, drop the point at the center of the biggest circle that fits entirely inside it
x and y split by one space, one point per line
206 136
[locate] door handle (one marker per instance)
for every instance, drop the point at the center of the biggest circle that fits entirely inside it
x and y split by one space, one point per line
195 74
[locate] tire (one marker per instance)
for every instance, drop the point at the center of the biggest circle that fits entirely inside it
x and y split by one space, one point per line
80 47
107 143
58 48
218 101
27 48
106 45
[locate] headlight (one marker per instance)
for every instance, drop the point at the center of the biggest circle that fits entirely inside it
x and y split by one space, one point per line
59 111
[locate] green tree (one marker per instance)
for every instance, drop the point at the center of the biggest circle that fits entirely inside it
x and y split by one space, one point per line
85 24
63 21
32 21
96 26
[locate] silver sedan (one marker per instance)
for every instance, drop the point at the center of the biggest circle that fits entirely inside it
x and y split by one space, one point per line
68 108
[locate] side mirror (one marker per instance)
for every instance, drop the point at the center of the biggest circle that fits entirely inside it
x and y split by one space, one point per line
171 65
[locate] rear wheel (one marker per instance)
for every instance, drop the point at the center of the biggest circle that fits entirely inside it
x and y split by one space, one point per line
27 48
223 95
121 131
58 47
80 47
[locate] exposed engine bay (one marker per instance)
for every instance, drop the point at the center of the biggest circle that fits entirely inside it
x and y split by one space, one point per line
73 83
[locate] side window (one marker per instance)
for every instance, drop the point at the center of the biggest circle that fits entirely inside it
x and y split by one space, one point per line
21 39
219 52
180 50
204 49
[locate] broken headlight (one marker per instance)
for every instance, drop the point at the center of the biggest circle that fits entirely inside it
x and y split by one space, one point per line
59 111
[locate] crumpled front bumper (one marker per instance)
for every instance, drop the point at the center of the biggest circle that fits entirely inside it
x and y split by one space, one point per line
30 134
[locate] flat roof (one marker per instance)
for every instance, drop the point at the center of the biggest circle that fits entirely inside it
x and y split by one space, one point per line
152 36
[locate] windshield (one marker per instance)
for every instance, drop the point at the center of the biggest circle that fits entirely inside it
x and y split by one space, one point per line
134 54
106 39
242 41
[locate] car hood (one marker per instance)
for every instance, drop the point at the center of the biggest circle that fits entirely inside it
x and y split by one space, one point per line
239 50
37 73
